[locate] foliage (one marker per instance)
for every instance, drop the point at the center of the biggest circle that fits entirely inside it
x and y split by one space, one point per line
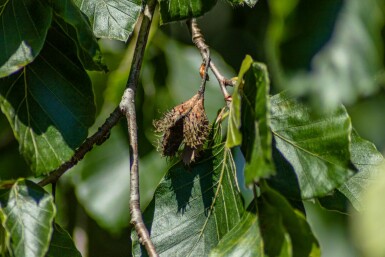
62 70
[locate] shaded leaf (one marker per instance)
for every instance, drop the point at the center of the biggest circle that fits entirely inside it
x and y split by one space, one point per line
256 131
77 27
49 104
244 239
194 207
175 10
316 146
61 244
284 230
29 214
111 18
24 26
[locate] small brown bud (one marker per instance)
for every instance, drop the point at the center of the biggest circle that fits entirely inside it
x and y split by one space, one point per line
202 71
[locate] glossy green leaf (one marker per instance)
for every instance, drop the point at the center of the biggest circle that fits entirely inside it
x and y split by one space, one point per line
61 244
284 230
29 214
244 239
194 207
315 146
234 136
175 10
24 25
368 161
111 18
49 104
76 26
256 131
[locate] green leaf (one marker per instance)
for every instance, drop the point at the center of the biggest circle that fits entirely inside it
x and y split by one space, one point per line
194 207
368 161
61 244
250 119
49 104
256 131
24 26
284 230
234 136
244 239
316 146
175 10
29 214
77 27
111 18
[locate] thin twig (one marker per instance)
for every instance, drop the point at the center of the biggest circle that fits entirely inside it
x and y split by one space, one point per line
127 107
205 75
97 138
199 42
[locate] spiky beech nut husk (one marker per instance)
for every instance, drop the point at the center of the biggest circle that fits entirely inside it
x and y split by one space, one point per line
172 139
196 126
195 131
171 125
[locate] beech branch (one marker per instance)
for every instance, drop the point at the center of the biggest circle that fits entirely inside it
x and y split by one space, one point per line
127 107
199 41
97 138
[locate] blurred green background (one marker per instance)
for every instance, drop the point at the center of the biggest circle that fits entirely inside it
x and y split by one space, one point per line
328 51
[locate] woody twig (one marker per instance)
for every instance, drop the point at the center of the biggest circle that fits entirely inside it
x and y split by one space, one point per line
199 42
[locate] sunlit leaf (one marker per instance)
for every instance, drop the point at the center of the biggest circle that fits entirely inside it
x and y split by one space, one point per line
175 10
76 26
256 131
234 136
61 244
315 146
111 18
24 25
29 214
249 120
368 161
194 207
244 239
49 104
285 231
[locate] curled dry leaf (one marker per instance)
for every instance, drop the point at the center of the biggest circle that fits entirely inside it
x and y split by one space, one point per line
186 124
